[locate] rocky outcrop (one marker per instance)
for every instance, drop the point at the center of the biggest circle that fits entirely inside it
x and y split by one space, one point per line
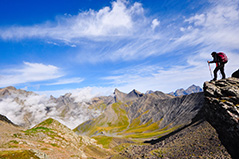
5 119
222 111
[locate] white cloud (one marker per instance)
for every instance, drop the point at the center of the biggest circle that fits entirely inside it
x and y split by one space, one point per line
12 107
155 23
122 29
67 81
117 20
81 94
29 72
87 93
217 26
197 19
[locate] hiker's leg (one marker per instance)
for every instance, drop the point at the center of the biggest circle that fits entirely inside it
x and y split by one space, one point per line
215 73
222 71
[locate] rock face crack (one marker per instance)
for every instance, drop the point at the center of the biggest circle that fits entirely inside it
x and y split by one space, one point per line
222 111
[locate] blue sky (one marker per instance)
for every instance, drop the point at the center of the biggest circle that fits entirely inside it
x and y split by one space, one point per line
55 47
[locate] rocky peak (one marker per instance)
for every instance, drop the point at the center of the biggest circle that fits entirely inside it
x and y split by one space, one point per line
120 96
192 89
6 91
8 88
149 92
134 94
12 91
222 111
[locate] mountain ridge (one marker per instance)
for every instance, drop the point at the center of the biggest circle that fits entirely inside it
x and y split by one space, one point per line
26 108
49 139
142 115
192 89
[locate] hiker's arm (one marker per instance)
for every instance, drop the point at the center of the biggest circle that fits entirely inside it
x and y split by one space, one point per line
215 60
211 61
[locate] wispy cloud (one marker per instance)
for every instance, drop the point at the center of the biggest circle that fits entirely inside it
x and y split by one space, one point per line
118 20
67 81
80 94
217 26
29 72
123 28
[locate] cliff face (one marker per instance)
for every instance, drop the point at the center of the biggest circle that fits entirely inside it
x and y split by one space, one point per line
222 111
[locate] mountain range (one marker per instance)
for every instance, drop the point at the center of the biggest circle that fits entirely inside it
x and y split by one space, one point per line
124 125
137 116
192 89
28 108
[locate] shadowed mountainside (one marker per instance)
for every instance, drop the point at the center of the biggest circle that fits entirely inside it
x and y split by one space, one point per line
5 119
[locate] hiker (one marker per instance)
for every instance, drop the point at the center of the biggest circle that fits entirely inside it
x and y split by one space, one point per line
220 59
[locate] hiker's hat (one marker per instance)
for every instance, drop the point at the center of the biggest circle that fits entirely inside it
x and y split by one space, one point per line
213 53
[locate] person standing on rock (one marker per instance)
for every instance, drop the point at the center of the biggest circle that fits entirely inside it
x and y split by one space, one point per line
220 59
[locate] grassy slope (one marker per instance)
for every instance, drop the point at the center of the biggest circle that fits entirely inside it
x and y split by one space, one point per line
113 121
51 138
114 124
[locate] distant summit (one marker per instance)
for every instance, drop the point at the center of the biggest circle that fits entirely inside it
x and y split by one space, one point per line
120 96
192 89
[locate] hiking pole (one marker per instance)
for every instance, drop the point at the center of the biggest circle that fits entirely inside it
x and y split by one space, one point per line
210 69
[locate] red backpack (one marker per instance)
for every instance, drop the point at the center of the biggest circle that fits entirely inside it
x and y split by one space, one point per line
223 57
